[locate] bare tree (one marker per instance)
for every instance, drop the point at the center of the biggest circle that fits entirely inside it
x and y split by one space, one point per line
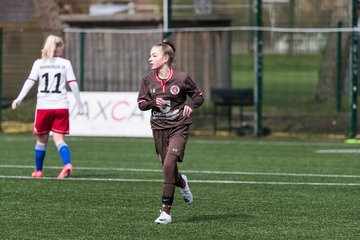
326 88
49 12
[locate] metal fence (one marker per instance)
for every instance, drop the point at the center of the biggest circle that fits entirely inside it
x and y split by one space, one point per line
117 62
306 76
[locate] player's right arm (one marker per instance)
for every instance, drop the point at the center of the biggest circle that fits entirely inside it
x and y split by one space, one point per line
75 90
145 101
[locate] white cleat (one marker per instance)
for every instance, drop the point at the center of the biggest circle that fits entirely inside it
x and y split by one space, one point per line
185 192
164 218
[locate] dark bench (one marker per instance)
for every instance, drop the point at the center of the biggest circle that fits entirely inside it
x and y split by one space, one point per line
226 97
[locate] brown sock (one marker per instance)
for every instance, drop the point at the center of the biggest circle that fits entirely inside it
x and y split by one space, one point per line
168 197
166 209
180 182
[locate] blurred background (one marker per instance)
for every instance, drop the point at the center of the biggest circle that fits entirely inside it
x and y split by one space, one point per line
298 58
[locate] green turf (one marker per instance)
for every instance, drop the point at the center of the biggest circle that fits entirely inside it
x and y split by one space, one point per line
289 83
289 86
280 70
263 201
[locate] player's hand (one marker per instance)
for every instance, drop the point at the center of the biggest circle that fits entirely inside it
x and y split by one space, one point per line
14 105
159 102
187 111
81 111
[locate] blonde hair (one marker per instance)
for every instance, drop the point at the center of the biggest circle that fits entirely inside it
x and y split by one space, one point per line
168 48
50 45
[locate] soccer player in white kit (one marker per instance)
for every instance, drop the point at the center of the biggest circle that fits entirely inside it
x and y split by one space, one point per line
52 73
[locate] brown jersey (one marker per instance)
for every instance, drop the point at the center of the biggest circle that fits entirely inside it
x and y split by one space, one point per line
177 90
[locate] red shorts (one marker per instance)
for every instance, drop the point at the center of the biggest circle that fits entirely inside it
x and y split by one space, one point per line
55 120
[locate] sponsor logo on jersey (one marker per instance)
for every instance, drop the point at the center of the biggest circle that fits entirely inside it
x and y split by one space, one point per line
174 90
166 107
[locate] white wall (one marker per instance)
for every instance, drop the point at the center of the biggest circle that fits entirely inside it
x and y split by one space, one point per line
109 114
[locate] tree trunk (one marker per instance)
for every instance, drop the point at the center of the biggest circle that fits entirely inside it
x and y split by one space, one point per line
49 12
326 88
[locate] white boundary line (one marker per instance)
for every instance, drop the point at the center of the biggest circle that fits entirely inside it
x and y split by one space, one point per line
192 181
353 151
194 171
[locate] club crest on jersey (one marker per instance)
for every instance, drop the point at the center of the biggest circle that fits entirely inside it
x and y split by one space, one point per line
174 90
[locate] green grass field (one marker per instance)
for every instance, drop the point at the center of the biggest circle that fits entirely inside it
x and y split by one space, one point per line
243 189
280 71
290 83
292 78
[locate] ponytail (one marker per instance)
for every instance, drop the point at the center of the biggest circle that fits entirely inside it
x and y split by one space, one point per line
50 45
168 48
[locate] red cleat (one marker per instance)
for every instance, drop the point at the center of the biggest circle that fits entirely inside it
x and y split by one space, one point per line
66 171
37 174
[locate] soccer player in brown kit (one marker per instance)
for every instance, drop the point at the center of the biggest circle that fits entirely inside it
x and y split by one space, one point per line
171 96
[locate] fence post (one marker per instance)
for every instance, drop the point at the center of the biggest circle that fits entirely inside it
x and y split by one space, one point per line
258 57
353 72
82 51
339 70
1 82
167 9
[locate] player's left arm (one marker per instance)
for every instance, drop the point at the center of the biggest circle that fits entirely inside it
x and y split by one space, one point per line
195 98
29 83
24 91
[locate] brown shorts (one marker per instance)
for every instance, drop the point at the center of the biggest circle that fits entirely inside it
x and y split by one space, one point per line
172 140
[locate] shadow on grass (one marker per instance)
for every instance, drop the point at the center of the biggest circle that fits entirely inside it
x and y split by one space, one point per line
214 217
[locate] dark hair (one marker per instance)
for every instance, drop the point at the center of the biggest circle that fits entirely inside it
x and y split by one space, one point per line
170 43
168 48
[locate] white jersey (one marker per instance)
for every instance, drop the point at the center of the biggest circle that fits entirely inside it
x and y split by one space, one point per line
52 77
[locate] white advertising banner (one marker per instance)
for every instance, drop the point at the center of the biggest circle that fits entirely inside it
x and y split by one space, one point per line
114 114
